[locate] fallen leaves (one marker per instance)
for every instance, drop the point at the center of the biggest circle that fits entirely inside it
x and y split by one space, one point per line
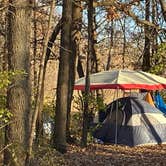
106 155
109 155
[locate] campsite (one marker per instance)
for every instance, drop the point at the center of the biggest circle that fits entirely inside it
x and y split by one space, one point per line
82 82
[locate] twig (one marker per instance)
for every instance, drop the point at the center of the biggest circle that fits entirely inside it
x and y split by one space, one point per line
5 147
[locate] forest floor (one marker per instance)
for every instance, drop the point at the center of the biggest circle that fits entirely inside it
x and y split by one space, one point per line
104 155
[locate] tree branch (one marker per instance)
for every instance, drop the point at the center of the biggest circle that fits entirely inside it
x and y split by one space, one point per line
52 39
125 7
5 147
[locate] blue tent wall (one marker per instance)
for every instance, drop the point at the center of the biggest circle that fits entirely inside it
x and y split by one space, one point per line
160 103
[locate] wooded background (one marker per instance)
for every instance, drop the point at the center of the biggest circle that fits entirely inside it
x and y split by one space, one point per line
46 44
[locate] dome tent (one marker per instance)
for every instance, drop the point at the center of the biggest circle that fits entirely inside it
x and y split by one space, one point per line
131 121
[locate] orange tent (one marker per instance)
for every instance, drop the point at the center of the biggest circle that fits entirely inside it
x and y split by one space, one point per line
149 99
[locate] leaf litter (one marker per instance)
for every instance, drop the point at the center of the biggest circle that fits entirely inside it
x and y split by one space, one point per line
104 155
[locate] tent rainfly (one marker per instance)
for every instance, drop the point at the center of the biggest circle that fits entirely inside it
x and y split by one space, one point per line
122 79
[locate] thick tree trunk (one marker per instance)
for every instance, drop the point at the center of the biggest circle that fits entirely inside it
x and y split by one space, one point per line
18 96
63 79
76 34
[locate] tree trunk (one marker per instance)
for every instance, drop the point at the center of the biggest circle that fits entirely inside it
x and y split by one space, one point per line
88 69
111 45
18 95
52 40
124 41
154 32
75 36
146 55
93 41
40 90
41 80
34 52
59 137
39 129
80 70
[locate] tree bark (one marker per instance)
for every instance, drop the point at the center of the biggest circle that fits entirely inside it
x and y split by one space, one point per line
80 70
88 69
59 137
34 51
124 41
75 36
154 32
18 95
93 41
146 55
40 90
52 40
43 67
111 45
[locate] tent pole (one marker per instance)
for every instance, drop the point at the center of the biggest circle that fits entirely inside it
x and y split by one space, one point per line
116 119
112 106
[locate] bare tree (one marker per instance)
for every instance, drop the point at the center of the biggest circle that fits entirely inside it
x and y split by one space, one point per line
111 45
59 138
88 69
146 55
48 43
40 91
75 41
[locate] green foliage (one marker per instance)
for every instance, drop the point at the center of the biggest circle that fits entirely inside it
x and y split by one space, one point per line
95 103
100 103
48 110
6 78
48 118
5 116
163 94
76 124
159 63
159 60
